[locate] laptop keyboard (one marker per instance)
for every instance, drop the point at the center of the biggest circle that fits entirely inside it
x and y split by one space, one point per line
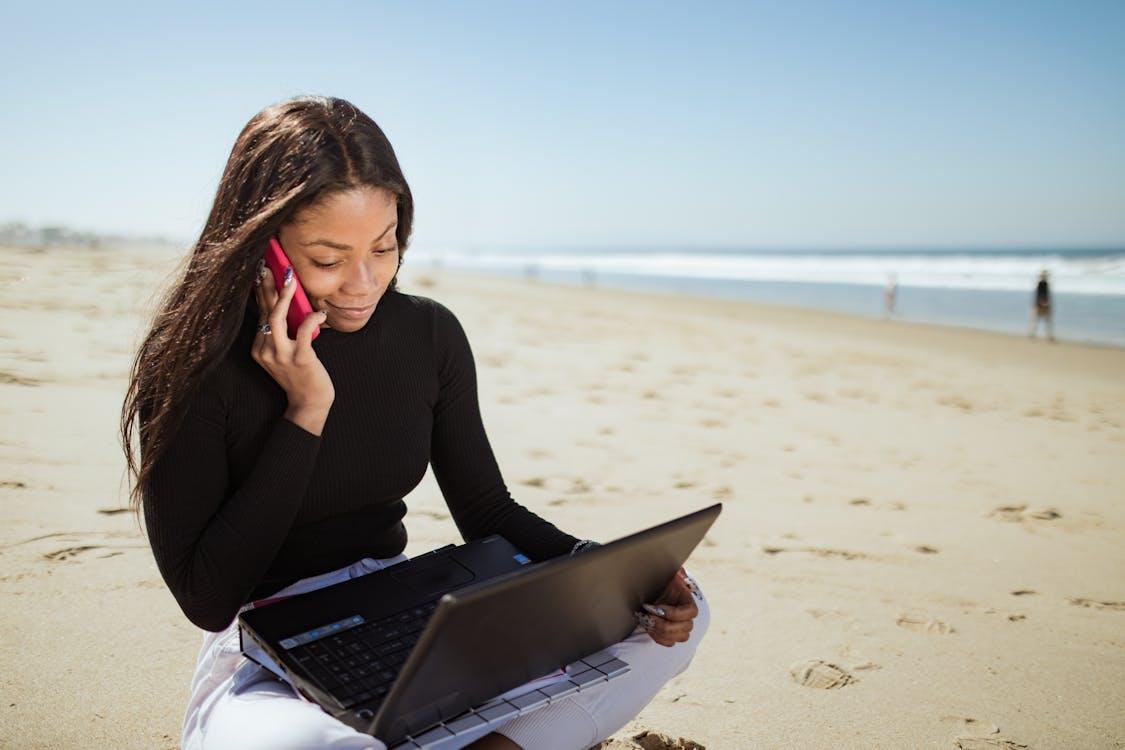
360 664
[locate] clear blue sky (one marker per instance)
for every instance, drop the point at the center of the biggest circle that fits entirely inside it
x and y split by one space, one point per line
766 125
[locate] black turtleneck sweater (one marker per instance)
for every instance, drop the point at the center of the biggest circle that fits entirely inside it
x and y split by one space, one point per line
244 502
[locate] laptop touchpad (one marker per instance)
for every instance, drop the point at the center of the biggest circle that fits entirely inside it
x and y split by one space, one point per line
444 575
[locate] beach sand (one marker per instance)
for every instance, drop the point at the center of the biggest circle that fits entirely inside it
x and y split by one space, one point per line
921 544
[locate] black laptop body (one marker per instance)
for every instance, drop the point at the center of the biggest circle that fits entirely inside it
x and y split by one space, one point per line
496 623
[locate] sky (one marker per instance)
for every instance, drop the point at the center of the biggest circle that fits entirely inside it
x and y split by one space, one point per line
779 125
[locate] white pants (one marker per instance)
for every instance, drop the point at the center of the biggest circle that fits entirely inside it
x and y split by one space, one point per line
235 703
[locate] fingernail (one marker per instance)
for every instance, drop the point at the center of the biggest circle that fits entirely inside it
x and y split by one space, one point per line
288 276
654 610
646 621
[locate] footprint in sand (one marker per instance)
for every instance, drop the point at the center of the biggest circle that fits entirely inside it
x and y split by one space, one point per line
8 378
649 741
845 554
973 734
921 623
820 552
70 552
816 673
578 486
1020 513
1095 604
987 743
78 543
968 724
957 402
856 659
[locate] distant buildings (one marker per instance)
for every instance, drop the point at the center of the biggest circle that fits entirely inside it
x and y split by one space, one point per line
19 234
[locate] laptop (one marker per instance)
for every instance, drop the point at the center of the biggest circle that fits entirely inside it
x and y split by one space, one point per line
420 650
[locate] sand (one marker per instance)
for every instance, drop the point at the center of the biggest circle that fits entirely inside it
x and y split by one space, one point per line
921 543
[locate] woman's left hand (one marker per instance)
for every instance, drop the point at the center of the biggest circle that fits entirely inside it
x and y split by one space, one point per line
669 619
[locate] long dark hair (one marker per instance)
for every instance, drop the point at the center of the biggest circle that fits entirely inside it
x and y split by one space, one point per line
287 157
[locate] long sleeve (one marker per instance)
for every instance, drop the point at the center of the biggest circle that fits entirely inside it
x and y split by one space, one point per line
213 542
462 458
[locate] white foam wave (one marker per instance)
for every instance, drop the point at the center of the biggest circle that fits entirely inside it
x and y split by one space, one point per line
1069 275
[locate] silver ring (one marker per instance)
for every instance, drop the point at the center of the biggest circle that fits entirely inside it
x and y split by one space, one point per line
265 328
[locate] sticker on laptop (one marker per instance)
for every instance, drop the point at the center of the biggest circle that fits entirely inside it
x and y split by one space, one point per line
324 630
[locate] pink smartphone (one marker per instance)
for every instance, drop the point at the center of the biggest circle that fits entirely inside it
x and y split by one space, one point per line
299 307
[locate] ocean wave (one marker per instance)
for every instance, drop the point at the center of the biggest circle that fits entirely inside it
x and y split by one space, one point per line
1096 274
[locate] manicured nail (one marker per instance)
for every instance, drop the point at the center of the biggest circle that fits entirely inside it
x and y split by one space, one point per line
693 587
646 621
654 610
288 276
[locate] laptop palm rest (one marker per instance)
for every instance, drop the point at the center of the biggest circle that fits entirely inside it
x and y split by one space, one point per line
444 574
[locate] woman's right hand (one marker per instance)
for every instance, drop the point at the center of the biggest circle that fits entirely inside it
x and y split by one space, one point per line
292 363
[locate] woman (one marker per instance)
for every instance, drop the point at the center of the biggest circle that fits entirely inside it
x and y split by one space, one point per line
270 466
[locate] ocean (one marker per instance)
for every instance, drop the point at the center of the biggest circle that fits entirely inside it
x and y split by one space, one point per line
990 290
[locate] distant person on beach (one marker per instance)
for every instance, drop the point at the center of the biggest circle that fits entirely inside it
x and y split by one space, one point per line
1041 308
890 295
269 464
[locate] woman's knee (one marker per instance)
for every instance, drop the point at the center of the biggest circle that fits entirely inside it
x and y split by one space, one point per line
268 716
702 621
